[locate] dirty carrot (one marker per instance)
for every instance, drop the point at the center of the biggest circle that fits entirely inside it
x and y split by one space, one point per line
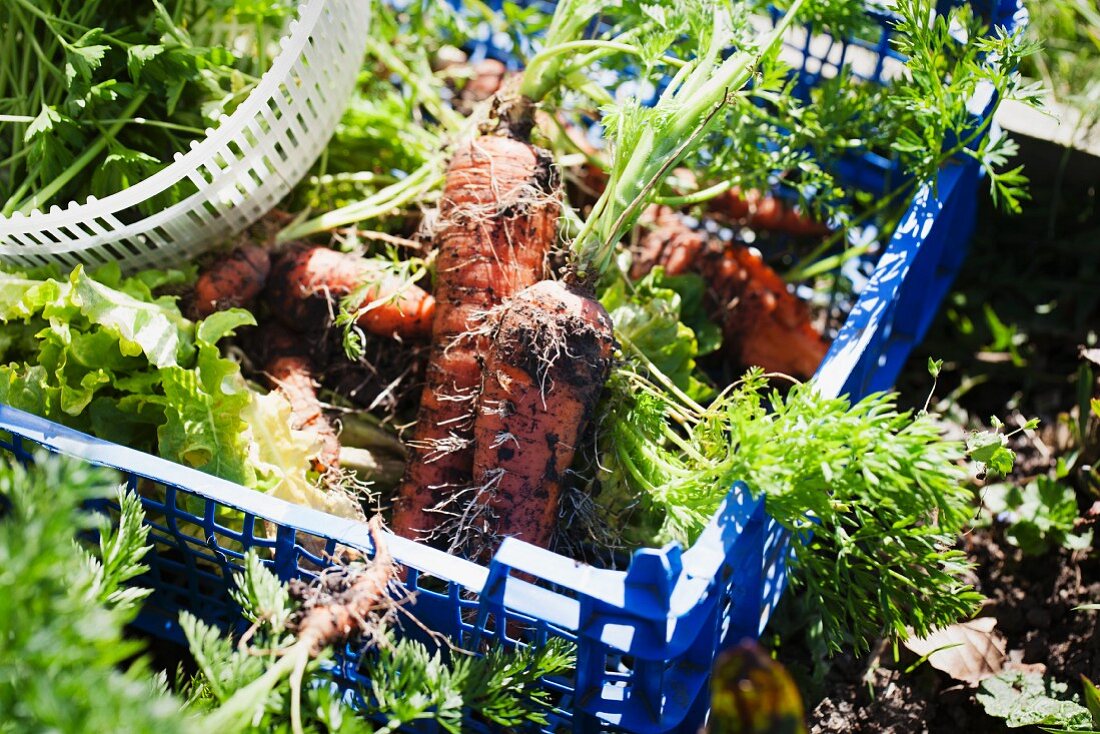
231 281
498 212
670 243
763 323
765 212
498 218
550 357
497 223
306 280
332 613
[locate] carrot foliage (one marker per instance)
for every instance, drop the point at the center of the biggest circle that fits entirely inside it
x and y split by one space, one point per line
409 683
64 664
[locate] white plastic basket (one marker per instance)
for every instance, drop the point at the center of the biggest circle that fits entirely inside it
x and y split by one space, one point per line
240 170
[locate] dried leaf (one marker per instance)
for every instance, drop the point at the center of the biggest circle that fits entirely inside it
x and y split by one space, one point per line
967 651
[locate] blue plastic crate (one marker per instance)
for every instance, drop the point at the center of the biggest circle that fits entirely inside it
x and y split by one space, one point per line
646 637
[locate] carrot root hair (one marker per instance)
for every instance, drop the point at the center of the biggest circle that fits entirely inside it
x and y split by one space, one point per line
496 224
549 359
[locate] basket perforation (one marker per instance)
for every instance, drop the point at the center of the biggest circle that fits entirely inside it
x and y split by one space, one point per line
254 155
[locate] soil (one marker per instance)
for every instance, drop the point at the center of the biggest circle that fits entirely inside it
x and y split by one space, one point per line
1038 274
1032 600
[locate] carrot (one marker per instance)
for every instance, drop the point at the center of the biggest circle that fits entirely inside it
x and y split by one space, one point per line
670 243
497 222
231 281
765 212
304 278
763 323
488 76
338 609
289 369
550 357
335 611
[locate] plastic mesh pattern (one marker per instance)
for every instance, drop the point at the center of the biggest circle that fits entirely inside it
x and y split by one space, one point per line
240 170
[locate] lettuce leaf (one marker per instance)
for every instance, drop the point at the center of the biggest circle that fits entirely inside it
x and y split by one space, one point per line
648 323
281 457
107 357
102 353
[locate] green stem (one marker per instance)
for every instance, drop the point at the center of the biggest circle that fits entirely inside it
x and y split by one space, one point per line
659 375
15 157
420 85
677 413
244 702
691 110
734 72
424 179
535 85
569 21
45 17
563 139
829 264
47 192
675 83
699 196
28 181
45 61
809 262
150 123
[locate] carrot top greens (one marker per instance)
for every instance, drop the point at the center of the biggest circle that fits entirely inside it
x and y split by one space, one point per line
648 141
873 496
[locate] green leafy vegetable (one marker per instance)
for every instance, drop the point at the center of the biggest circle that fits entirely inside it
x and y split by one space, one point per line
649 323
102 354
410 683
97 95
873 496
1027 699
1040 515
1092 699
991 450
